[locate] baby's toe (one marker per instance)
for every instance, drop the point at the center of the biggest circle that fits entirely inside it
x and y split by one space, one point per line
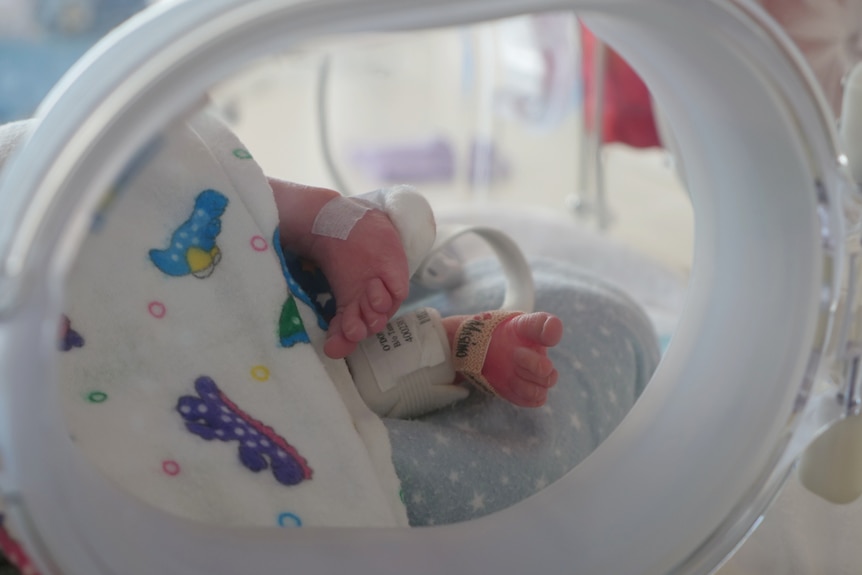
378 297
527 394
552 332
353 327
374 320
541 328
532 365
528 377
336 345
396 282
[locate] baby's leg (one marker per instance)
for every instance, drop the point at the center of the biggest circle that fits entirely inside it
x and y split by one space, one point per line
367 271
516 364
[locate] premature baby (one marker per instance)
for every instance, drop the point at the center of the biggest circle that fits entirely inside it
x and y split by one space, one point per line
368 274
200 375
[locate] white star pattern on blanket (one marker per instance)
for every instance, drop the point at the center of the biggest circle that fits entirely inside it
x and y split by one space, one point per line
483 454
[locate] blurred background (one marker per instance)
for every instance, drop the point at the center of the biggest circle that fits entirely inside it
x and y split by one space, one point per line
502 110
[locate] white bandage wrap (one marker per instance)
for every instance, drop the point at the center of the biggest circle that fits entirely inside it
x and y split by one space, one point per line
406 370
408 210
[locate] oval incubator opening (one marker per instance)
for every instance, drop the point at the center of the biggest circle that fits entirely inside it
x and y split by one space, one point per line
194 346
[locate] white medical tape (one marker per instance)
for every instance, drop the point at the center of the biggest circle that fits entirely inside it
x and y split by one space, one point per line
338 216
408 211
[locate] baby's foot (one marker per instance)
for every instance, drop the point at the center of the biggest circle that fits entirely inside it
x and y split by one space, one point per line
369 277
516 364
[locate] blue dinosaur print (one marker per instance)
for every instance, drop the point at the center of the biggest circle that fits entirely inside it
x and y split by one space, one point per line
212 415
306 282
69 338
193 248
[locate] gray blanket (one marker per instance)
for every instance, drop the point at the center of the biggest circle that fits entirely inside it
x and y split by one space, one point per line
484 454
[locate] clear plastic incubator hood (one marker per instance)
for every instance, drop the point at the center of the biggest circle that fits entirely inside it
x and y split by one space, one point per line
764 358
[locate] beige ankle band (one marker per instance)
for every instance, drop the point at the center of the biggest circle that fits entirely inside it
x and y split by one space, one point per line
472 339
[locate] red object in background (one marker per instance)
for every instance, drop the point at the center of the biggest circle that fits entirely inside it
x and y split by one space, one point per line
627 116
13 551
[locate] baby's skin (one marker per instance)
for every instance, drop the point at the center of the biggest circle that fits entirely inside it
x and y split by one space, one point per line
369 277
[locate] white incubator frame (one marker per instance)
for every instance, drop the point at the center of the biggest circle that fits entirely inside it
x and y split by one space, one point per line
756 369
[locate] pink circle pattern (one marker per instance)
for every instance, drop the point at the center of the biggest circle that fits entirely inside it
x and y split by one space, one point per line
259 244
157 309
171 467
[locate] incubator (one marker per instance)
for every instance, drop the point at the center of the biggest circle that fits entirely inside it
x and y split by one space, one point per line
759 353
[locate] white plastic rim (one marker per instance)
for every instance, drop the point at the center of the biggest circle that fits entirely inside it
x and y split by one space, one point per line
680 481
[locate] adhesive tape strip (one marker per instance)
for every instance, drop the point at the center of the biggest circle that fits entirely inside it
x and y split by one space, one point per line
408 210
338 217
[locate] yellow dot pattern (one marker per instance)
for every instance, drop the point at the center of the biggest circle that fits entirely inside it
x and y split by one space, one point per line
260 372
